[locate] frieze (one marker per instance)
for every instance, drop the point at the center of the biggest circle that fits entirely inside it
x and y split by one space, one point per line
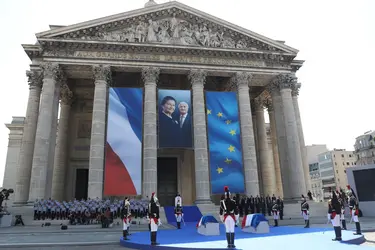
170 26
168 58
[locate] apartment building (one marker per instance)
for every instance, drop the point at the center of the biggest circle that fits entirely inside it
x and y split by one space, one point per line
365 149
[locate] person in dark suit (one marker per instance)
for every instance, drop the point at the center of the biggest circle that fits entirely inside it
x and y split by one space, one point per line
185 131
168 125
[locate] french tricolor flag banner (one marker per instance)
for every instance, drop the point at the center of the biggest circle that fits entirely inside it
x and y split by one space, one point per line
123 163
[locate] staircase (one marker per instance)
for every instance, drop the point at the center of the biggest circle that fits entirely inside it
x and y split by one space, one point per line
317 209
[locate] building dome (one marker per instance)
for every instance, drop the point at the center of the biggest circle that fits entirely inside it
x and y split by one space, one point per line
150 3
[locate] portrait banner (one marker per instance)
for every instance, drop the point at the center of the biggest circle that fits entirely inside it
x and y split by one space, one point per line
224 141
175 122
123 162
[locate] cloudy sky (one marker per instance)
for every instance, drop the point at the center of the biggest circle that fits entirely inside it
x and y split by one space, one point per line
336 38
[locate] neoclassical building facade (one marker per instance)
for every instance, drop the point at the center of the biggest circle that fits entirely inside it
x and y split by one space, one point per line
169 46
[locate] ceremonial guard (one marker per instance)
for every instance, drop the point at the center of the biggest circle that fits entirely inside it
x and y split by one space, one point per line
126 219
305 211
177 200
153 208
276 211
179 214
342 215
354 209
229 216
335 211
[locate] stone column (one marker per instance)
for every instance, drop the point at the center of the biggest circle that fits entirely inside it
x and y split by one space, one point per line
44 133
242 79
281 137
202 177
150 77
102 78
306 171
275 149
268 172
61 151
296 175
14 147
25 158
254 120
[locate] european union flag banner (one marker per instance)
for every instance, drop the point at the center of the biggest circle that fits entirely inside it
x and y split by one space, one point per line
123 162
224 139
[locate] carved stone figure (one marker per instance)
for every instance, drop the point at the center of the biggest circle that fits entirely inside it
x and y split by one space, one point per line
174 31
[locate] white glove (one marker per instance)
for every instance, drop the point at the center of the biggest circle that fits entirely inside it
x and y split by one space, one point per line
159 222
222 218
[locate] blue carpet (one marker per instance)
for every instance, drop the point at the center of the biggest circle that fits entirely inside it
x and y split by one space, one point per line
191 214
188 238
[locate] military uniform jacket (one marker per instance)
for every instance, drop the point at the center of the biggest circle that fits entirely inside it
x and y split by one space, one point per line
178 211
228 208
275 208
304 206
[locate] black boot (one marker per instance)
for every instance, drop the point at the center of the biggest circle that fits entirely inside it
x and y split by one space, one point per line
152 238
155 236
337 234
228 239
358 229
343 224
124 236
307 224
178 225
232 240
276 223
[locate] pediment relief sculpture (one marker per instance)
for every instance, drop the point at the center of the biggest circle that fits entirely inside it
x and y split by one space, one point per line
174 31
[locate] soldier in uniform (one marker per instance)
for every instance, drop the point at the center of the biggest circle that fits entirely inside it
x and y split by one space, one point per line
229 216
354 209
126 217
342 215
178 200
335 211
178 213
276 211
153 209
305 211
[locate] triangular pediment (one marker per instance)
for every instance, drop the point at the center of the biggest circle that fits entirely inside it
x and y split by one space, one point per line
172 23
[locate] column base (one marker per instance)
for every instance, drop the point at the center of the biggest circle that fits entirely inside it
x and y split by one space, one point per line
292 200
20 203
203 202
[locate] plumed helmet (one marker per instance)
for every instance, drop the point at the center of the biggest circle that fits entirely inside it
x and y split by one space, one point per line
349 191
226 192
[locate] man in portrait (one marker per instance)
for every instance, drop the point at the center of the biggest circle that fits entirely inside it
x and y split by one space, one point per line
184 120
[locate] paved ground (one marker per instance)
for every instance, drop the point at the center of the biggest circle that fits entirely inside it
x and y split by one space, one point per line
83 237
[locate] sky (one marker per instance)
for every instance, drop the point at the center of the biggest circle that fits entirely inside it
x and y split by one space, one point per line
336 38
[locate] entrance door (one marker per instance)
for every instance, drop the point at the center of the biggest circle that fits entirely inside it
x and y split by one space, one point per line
167 180
82 181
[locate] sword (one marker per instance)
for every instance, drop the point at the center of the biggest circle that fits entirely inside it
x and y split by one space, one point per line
182 218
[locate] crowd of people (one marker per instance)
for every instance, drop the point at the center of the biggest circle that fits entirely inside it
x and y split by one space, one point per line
90 211
259 204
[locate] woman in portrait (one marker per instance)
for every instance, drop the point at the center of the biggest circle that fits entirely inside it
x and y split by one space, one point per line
168 126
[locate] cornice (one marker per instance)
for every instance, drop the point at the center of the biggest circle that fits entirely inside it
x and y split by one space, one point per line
49 46
32 51
296 65
90 29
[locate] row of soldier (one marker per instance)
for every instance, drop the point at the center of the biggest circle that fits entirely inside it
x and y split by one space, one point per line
258 204
86 211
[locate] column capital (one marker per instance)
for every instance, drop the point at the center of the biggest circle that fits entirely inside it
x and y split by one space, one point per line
295 88
197 76
242 78
150 75
35 78
66 95
269 105
284 81
51 70
102 73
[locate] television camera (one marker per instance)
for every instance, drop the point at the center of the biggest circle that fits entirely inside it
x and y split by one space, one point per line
4 195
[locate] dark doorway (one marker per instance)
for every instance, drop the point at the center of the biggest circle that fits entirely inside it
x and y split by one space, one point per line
82 181
167 180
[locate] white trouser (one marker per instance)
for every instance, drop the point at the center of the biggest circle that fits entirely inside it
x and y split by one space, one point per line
354 216
342 216
336 221
305 215
125 224
275 215
178 217
154 226
229 224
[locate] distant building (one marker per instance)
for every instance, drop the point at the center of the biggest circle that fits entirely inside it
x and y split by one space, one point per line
365 148
312 159
332 169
